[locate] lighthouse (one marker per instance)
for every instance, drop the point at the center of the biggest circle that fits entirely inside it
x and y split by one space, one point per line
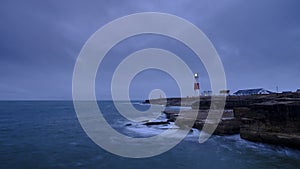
196 84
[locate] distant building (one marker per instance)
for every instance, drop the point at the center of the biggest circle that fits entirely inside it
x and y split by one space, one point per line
207 93
252 92
224 92
298 91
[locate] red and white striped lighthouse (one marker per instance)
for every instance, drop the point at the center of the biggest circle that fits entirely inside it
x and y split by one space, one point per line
196 84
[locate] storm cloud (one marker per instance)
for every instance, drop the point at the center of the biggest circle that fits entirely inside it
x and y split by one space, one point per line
258 42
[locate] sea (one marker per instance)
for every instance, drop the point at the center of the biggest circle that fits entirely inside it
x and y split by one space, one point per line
47 134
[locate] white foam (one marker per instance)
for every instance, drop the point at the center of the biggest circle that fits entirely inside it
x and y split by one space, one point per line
179 107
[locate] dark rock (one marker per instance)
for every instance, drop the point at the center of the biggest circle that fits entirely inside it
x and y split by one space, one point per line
272 118
271 122
227 126
156 123
231 102
146 102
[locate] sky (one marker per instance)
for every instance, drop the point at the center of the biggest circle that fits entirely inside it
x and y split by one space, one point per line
257 41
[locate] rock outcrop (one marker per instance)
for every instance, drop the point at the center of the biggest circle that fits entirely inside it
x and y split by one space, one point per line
271 122
226 126
273 118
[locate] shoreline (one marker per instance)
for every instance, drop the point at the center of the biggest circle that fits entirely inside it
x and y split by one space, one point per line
272 119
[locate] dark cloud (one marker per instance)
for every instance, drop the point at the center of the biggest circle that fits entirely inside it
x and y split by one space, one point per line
258 42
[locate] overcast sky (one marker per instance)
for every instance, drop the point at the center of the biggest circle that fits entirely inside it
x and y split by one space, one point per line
258 43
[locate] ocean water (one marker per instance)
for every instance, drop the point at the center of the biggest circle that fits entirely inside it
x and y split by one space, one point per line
47 134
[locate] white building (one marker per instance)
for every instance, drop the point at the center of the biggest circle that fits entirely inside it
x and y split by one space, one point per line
252 92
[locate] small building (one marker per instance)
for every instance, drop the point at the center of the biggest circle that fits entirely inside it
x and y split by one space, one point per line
252 92
224 92
207 93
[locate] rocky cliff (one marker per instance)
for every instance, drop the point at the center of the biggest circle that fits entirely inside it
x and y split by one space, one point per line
275 122
273 118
